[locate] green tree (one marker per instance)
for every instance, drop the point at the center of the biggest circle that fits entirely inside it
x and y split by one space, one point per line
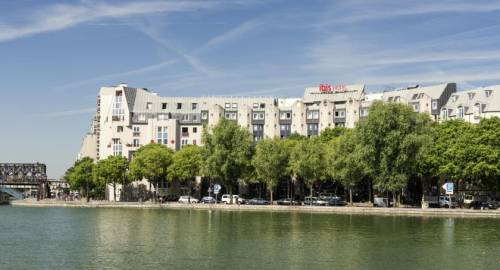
151 162
348 161
329 134
186 164
79 176
391 138
112 170
270 162
307 161
227 151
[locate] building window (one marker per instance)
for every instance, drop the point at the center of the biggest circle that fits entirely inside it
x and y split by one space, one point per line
227 105
235 106
460 112
256 105
285 115
487 93
195 130
454 98
194 142
397 99
312 129
339 114
149 106
184 142
185 117
444 114
262 105
416 107
434 105
230 115
195 117
185 131
117 147
136 131
142 117
119 129
162 135
312 115
162 116
204 115
118 111
179 106
135 142
194 106
164 106
258 116
477 110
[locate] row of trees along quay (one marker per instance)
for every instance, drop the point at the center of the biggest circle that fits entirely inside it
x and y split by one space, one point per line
392 152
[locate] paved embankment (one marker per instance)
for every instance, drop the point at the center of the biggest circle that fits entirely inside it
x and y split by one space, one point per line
273 208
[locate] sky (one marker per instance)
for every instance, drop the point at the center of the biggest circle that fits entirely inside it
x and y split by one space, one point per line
55 55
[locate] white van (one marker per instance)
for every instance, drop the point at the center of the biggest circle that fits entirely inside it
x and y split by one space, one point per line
447 202
226 198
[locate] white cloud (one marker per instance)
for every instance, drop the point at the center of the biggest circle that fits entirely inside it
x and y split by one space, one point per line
232 34
369 10
62 16
68 113
120 75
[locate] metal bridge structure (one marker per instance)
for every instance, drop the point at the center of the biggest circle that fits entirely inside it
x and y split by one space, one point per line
21 176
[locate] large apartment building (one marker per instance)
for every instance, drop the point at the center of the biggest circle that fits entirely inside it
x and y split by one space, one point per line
127 118
473 105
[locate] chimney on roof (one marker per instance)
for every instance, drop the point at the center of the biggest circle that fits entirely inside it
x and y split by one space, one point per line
412 86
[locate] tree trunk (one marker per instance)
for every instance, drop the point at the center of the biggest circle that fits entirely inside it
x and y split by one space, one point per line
271 191
114 191
150 192
230 194
394 199
350 196
370 191
311 194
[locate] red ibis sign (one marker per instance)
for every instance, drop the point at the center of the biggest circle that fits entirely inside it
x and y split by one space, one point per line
327 88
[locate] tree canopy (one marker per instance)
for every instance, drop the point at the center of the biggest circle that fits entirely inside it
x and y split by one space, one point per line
270 162
227 151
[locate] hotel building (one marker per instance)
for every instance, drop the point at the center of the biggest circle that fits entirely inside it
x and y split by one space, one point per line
127 118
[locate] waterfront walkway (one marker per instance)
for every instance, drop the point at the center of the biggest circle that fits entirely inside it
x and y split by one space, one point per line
273 208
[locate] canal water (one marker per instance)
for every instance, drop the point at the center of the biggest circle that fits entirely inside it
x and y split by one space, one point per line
71 238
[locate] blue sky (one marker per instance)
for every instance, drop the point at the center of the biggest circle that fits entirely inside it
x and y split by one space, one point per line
55 55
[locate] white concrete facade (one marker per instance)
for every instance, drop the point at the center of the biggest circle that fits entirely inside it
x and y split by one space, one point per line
128 118
473 105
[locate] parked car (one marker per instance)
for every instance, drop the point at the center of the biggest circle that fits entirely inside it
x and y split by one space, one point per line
287 201
188 199
321 201
208 199
171 198
226 198
257 201
468 199
336 201
381 202
483 205
447 201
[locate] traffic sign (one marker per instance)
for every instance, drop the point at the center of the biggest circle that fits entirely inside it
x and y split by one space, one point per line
448 187
217 188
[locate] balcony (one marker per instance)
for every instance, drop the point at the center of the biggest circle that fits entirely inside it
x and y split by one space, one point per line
117 118
185 134
136 134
